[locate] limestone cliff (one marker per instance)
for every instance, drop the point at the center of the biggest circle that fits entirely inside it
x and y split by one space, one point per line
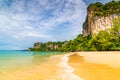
95 23
37 45
49 46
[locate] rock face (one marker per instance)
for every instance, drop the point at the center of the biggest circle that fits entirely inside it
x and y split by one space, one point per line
37 45
52 47
49 46
94 24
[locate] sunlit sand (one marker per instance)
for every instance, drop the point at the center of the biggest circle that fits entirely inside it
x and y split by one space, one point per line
96 65
72 66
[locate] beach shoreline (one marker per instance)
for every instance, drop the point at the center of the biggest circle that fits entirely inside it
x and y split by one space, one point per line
95 69
72 66
37 72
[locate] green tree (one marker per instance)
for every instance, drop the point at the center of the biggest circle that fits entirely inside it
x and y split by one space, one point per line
101 41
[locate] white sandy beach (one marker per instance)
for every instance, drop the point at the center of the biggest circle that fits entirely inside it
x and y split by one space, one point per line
96 65
72 66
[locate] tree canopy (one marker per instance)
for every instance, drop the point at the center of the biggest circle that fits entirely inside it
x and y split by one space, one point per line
101 9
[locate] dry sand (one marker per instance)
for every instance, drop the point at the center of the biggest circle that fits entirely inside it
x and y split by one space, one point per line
73 66
93 70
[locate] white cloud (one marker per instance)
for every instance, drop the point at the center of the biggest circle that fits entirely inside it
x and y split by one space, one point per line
24 21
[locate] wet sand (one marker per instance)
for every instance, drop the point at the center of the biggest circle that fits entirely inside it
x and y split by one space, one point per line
71 66
88 70
38 72
56 68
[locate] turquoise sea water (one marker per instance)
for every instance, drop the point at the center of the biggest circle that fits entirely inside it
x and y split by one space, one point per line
14 60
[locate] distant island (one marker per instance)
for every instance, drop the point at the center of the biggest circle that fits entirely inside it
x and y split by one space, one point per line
101 31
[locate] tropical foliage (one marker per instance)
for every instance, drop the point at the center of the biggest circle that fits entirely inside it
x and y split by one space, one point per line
49 46
105 40
101 9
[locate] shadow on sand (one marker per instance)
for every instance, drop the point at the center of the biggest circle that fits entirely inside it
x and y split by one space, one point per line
93 71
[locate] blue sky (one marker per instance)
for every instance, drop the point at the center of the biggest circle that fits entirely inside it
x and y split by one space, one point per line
23 22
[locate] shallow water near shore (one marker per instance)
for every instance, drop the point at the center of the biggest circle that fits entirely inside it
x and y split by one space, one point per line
16 65
10 60
24 65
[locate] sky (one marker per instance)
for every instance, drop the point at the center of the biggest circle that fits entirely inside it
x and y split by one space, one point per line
24 22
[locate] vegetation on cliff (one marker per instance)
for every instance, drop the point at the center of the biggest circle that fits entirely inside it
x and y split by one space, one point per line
103 41
108 40
101 9
49 46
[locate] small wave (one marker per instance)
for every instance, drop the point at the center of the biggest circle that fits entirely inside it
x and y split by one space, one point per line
64 71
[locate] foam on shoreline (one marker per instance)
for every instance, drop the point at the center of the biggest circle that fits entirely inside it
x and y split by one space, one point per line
96 65
64 71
